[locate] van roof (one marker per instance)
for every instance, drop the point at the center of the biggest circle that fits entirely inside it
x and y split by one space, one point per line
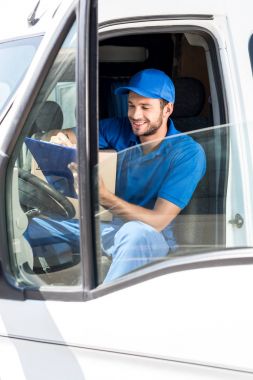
14 17
132 8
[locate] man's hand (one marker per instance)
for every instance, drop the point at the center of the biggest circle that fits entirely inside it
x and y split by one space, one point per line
73 167
62 138
103 192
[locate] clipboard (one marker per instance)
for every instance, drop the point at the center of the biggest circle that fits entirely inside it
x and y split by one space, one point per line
53 161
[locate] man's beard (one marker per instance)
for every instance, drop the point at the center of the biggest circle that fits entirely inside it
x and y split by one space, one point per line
151 129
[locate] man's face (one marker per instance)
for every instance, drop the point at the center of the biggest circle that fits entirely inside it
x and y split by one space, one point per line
145 114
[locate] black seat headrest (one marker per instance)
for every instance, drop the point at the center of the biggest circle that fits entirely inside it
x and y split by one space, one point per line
50 117
190 97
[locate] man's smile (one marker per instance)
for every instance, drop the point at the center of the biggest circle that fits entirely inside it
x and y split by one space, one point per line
138 124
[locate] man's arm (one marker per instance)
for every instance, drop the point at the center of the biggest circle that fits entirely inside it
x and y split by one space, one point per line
162 214
65 137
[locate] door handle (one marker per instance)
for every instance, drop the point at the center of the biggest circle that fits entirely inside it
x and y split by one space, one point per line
237 221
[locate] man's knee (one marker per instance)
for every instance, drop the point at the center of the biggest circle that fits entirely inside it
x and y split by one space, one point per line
135 244
135 231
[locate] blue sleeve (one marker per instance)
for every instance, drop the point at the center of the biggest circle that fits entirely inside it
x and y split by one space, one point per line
104 133
187 169
109 133
114 133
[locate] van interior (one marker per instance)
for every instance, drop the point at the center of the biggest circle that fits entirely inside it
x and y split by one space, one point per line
190 60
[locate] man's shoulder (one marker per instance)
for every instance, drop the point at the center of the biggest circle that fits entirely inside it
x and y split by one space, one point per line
179 139
117 132
182 147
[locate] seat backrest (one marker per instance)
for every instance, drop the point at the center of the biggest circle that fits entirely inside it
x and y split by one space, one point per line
190 99
196 226
112 105
49 117
117 105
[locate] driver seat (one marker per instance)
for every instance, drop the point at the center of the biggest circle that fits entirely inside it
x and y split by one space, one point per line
50 117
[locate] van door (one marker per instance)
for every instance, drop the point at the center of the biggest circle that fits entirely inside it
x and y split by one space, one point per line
34 262
186 316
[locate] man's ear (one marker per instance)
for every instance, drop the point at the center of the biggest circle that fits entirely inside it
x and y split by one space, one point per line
169 109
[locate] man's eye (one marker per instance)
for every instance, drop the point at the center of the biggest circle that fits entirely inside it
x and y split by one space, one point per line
130 106
146 107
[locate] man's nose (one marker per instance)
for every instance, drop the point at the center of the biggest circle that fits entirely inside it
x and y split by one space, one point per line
136 113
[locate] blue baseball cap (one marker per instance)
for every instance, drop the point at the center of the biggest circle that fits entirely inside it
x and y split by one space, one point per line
150 83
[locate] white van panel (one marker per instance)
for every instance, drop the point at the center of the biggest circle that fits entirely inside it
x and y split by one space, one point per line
194 316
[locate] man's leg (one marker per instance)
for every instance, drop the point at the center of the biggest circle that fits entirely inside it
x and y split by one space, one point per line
135 245
50 235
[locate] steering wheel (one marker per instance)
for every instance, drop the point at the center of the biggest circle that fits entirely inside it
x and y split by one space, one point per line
37 197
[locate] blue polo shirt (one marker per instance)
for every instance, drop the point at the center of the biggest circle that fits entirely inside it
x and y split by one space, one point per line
172 171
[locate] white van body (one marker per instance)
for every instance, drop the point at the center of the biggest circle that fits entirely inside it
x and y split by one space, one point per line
187 318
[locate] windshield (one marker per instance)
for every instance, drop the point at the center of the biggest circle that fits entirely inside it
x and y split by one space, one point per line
15 58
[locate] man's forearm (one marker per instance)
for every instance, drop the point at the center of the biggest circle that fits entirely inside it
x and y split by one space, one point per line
156 218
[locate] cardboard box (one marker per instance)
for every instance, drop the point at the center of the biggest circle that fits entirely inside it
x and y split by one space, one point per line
107 170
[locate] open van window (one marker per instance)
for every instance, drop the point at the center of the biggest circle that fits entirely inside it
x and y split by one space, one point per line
191 60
